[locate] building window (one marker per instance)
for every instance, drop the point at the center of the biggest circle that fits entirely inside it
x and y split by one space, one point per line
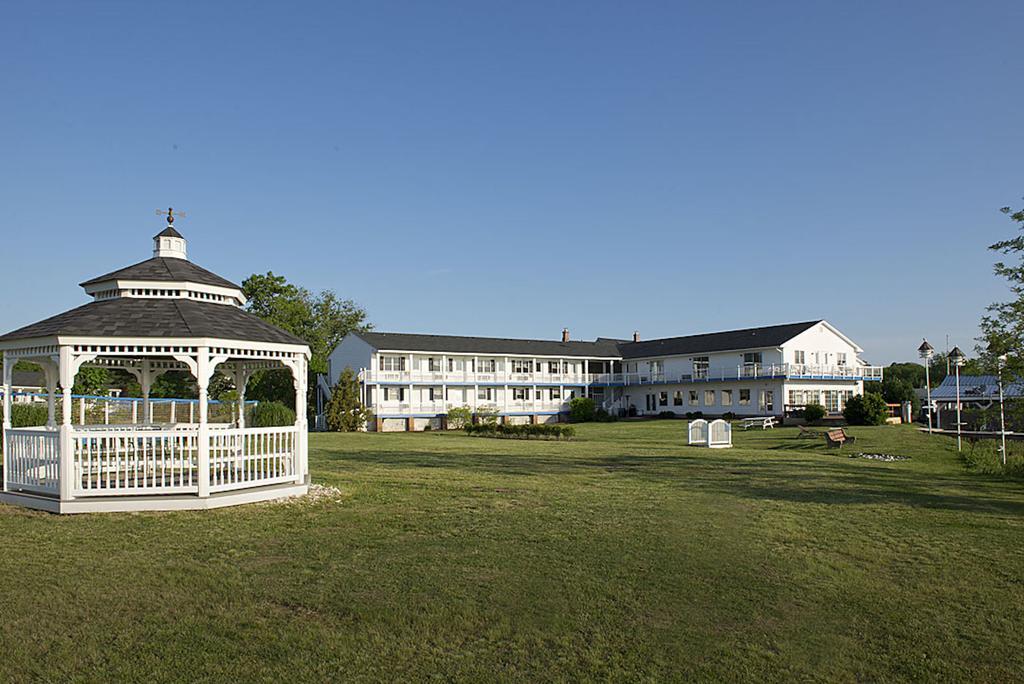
700 367
522 366
433 365
554 367
799 357
744 397
487 366
521 393
677 398
663 399
451 365
485 393
693 397
392 363
767 403
726 397
841 358
752 357
709 397
556 393
434 393
394 393
656 367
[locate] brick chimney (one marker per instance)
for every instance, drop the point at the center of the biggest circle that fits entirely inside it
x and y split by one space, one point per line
636 335
565 334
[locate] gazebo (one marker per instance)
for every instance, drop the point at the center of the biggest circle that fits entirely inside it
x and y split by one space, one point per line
159 315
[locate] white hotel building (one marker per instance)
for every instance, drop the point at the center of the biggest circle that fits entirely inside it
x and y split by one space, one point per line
410 381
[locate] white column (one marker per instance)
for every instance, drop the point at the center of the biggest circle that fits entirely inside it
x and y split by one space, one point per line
301 428
67 372
146 383
203 372
242 379
51 394
8 366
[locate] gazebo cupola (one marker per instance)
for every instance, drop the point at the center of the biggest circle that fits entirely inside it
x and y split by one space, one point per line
162 314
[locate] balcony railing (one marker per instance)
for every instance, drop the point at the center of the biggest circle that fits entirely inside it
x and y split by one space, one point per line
746 371
428 408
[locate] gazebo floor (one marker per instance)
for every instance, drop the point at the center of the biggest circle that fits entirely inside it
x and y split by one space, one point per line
163 502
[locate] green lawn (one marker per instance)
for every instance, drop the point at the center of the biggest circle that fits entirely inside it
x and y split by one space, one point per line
619 556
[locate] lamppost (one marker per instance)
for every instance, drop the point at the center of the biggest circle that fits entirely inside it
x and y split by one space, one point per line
1000 360
926 351
957 358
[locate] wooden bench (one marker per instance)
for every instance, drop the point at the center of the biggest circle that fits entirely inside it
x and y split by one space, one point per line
765 422
838 437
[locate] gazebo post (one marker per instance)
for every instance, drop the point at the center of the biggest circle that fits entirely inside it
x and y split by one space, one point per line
8 366
146 384
51 372
203 372
67 380
301 382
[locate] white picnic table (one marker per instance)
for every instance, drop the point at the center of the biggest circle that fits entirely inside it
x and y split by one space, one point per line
765 422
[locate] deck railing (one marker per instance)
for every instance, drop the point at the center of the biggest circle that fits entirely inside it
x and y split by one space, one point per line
149 459
32 460
250 457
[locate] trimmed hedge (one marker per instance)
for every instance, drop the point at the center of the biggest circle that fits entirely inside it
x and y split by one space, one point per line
28 415
549 431
272 414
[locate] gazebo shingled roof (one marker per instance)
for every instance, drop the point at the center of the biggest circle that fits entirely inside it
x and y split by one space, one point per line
163 269
156 318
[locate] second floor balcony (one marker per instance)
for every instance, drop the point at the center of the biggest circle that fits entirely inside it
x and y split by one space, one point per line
746 371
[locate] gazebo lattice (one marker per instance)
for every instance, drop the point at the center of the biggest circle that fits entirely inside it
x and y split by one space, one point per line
163 314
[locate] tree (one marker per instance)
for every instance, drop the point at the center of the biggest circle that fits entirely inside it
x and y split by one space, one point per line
91 381
1003 326
459 417
896 390
911 373
866 409
346 411
321 320
813 413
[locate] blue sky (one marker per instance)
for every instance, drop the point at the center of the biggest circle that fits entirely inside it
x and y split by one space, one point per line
513 168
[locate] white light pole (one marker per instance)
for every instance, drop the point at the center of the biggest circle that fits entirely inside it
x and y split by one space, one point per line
926 351
1000 360
957 358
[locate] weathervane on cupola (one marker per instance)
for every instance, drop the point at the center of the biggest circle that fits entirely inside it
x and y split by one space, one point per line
169 243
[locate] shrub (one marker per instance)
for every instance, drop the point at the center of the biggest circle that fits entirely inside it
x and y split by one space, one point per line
272 414
813 413
666 414
28 415
694 415
582 410
866 409
459 417
632 411
602 416
549 431
728 415
487 416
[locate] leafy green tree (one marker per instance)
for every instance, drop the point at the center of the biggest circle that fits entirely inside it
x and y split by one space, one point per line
345 411
321 320
1003 326
813 413
866 409
911 373
92 381
459 417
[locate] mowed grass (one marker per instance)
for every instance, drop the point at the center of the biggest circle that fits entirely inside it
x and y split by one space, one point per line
622 555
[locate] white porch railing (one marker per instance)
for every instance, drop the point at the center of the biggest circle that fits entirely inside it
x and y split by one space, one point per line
108 462
32 460
469 377
149 460
251 457
744 372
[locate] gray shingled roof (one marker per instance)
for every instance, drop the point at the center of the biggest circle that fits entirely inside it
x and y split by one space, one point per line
748 338
169 231
487 345
136 317
161 269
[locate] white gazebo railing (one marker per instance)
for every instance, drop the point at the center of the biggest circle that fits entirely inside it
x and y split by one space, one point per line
32 460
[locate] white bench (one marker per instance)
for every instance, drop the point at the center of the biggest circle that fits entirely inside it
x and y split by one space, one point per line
765 422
